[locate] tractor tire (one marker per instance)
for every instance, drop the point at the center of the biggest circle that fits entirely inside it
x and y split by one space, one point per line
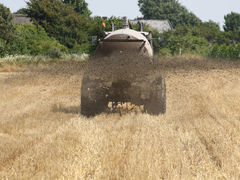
92 106
157 103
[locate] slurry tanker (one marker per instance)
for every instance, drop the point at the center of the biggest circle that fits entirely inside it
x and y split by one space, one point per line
123 71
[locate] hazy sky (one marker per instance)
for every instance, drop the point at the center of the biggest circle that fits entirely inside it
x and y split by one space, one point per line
204 9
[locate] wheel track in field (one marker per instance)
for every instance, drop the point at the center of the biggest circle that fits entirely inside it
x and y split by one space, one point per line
35 144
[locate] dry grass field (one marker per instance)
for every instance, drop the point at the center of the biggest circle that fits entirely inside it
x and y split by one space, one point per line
43 135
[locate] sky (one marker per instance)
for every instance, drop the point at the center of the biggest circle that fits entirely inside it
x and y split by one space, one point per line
204 9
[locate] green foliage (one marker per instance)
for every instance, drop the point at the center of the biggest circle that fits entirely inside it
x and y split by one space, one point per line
232 28
21 11
232 22
6 29
167 9
164 52
60 21
3 50
191 35
97 30
156 40
6 26
233 36
77 48
187 44
55 53
225 51
80 6
33 40
183 40
195 39
209 30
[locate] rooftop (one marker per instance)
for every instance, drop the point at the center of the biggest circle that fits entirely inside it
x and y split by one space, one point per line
160 25
21 19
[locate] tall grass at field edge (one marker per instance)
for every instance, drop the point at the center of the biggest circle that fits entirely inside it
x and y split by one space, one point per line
21 60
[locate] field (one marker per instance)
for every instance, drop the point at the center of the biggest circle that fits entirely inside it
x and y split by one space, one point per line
43 135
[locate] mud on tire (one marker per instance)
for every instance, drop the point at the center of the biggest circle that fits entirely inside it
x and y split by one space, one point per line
97 104
157 103
91 108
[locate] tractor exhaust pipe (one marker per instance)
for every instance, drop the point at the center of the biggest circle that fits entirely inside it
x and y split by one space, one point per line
125 22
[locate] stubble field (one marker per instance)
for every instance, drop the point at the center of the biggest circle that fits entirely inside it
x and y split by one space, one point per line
43 135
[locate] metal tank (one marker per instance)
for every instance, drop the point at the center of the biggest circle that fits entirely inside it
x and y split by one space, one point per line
126 40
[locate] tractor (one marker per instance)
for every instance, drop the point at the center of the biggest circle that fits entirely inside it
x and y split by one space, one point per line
123 71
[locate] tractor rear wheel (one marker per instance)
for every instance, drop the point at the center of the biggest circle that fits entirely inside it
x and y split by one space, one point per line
157 103
91 108
93 98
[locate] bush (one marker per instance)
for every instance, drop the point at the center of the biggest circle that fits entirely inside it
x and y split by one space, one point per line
187 44
83 48
33 40
2 48
225 51
60 21
164 52
184 40
6 25
55 53
6 29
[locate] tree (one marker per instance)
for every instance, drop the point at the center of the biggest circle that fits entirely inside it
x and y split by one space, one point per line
21 11
232 27
167 9
232 22
185 39
6 26
61 22
80 6
211 31
33 40
6 29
